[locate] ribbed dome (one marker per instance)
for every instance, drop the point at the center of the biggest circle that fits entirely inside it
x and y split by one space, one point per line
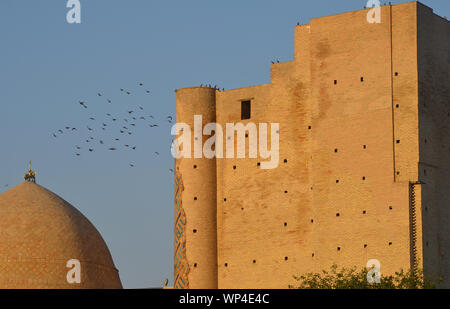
39 233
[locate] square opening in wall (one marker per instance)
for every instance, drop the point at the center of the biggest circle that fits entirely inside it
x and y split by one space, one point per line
245 110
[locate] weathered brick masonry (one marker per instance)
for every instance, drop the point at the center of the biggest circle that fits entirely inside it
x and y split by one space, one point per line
364 113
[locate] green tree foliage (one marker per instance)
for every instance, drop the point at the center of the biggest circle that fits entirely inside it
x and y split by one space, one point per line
352 278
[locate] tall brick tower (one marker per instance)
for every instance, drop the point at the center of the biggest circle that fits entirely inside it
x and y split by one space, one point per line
364 111
196 199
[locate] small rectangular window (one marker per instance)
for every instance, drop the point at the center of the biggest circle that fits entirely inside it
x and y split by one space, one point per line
245 110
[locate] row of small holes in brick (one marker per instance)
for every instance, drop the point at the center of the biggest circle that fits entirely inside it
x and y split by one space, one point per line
335 81
365 246
254 262
361 79
363 178
364 212
259 164
225 199
286 258
234 166
365 146
336 150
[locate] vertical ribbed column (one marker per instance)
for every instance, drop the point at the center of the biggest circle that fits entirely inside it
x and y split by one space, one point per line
195 198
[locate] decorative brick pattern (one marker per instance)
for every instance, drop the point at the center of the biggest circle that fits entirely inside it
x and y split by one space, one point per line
181 265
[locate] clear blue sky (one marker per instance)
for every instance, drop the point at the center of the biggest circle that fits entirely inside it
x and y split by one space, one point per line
48 65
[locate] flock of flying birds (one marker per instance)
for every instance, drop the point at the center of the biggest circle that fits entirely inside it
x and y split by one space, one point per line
121 126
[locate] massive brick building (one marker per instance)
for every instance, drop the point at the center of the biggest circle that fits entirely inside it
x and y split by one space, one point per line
364 169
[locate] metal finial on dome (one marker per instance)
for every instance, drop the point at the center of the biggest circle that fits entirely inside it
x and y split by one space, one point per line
31 175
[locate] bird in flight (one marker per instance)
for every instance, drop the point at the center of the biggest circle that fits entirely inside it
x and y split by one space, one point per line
157 153
91 150
131 165
99 94
101 142
54 135
60 131
141 84
112 148
148 91
134 148
90 129
83 104
109 101
92 118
